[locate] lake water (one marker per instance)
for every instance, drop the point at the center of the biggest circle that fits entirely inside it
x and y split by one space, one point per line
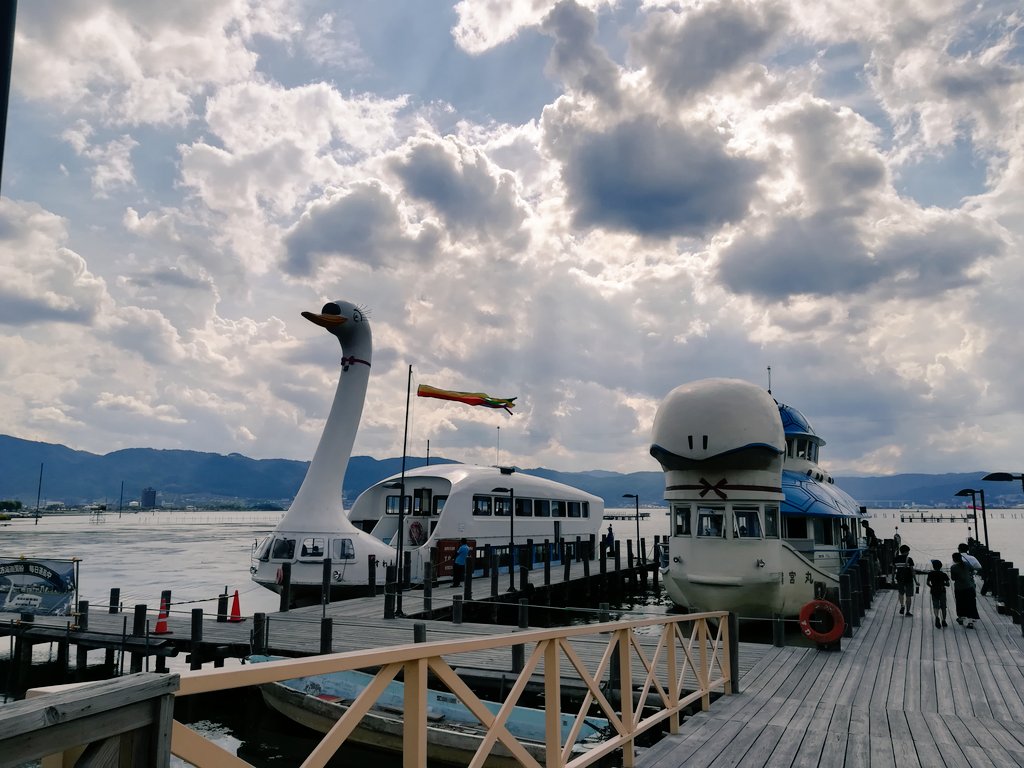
198 554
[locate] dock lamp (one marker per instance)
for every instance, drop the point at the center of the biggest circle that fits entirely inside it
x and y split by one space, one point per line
399 485
1006 477
636 499
984 521
511 535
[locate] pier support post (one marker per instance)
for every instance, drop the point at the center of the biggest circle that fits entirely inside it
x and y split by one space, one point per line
487 560
196 660
845 603
518 658
138 630
325 585
494 573
855 587
592 549
259 633
531 554
524 613
547 563
371 574
113 606
406 570
1020 598
83 615
286 587
428 584
457 609
389 591
578 551
778 631
1012 596
467 579
326 634
524 578
656 570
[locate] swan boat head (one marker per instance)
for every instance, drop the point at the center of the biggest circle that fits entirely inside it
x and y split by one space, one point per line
315 526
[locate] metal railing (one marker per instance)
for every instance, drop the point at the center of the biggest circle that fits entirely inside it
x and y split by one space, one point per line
694 655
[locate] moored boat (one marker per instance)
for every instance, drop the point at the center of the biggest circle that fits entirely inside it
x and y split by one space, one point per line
453 733
757 526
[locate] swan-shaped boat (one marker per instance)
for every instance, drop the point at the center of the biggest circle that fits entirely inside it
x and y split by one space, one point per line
757 526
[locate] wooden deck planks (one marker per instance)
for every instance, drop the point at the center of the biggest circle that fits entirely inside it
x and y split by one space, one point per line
902 693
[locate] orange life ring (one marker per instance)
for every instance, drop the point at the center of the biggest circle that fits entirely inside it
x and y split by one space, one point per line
280 575
822 606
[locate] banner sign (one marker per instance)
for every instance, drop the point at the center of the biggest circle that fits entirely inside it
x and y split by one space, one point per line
39 587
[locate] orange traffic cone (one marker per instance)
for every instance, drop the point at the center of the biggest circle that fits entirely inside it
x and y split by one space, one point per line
236 612
161 622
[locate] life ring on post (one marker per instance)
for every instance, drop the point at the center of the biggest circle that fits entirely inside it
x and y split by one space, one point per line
416 535
280 575
829 609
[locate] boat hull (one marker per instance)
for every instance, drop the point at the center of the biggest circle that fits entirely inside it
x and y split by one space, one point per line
384 731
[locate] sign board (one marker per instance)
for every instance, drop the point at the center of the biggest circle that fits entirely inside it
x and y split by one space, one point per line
39 587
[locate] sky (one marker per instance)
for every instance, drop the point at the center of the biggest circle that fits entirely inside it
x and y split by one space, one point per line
580 204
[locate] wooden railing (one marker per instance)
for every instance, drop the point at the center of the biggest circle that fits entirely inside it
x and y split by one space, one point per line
691 659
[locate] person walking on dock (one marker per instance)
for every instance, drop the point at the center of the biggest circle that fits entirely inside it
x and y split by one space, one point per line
964 594
906 579
938 582
609 542
459 564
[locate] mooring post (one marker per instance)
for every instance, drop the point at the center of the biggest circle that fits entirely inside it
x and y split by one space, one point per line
138 630
195 658
259 633
286 587
467 581
531 554
603 615
83 615
457 609
1013 598
845 603
325 585
222 607
524 578
428 584
371 574
115 600
406 570
579 549
487 561
855 587
518 658
567 571
326 634
593 546
524 613
419 632
547 563
656 570
778 631
1020 598
389 591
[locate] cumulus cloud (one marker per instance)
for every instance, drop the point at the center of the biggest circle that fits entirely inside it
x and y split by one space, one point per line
576 59
653 177
482 25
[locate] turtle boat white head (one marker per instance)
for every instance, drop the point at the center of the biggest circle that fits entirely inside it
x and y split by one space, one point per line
757 527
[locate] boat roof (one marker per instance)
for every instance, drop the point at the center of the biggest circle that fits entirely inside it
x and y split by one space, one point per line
809 497
795 424
475 478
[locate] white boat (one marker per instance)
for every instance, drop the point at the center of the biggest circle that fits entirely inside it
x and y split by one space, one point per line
756 523
443 502
453 732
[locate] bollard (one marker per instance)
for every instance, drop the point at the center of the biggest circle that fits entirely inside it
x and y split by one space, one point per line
629 554
603 616
286 588
259 632
1020 598
656 570
138 630
487 560
778 631
643 550
845 604
524 613
578 551
467 582
428 584
389 600
518 658
325 585
494 573
603 563
524 578
222 607
326 634
406 570
567 569
592 546
457 609
547 563
1012 598
855 586
419 632
531 554
83 615
115 600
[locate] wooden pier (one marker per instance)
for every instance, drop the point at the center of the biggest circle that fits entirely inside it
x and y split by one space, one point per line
900 694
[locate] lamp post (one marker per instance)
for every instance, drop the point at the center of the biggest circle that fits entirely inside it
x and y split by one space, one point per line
511 534
636 499
400 486
984 521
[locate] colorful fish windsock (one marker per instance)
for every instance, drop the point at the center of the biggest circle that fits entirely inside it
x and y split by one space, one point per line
469 398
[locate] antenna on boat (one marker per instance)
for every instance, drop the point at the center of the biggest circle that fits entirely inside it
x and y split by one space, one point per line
497 449
769 379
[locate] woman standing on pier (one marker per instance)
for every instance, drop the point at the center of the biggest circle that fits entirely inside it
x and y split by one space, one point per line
964 591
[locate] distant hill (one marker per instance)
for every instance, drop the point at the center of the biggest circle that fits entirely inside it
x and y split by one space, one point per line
191 477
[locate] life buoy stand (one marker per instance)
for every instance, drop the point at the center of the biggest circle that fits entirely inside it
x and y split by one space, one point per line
280 575
820 607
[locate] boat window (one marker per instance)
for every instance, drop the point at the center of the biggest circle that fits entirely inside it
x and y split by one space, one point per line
771 522
586 509
439 504
342 549
263 550
421 501
524 508
574 509
794 527
558 509
391 505
482 506
681 513
709 522
312 548
746 523
541 508
284 549
823 527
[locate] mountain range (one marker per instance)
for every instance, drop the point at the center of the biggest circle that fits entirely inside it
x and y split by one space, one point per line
182 477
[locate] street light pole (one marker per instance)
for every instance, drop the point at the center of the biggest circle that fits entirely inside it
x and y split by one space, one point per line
400 486
984 517
974 504
511 534
636 498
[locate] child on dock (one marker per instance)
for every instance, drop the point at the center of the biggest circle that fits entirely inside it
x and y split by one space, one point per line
906 579
937 583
